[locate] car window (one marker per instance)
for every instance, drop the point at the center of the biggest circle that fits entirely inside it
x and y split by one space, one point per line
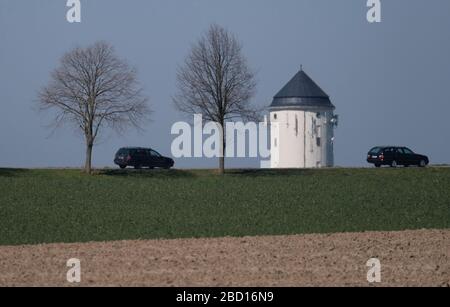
122 152
154 153
388 150
141 152
400 151
375 150
408 151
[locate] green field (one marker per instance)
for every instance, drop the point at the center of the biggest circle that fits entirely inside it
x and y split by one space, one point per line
42 206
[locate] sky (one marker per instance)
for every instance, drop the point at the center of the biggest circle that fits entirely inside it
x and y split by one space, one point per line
389 81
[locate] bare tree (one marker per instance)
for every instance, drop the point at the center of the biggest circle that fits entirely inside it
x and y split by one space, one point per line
216 81
94 89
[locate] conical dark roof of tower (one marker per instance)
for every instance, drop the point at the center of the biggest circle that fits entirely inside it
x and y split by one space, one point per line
301 91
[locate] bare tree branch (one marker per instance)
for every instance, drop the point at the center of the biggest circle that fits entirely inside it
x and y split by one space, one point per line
216 81
94 89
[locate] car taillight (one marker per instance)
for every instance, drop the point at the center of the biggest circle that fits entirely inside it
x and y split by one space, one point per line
382 157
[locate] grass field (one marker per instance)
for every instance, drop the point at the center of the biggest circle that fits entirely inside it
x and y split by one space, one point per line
43 206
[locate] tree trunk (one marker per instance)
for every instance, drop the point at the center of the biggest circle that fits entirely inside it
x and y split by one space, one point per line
88 164
222 151
221 165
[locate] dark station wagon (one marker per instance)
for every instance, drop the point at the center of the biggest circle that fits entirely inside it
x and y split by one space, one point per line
138 157
394 156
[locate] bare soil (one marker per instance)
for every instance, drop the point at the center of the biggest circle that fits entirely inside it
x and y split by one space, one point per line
408 258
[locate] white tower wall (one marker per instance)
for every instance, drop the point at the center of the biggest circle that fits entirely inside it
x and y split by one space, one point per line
302 138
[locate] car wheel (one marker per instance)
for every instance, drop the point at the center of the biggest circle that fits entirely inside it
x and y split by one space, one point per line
394 164
122 166
377 165
422 163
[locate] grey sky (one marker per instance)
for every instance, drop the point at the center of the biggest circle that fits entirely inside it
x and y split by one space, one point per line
389 81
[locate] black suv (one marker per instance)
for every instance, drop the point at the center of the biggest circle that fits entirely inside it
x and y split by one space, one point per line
141 157
394 156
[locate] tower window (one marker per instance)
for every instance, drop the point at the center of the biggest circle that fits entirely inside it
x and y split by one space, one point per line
318 141
275 116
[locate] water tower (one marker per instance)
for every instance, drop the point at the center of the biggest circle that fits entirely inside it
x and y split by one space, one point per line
302 124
